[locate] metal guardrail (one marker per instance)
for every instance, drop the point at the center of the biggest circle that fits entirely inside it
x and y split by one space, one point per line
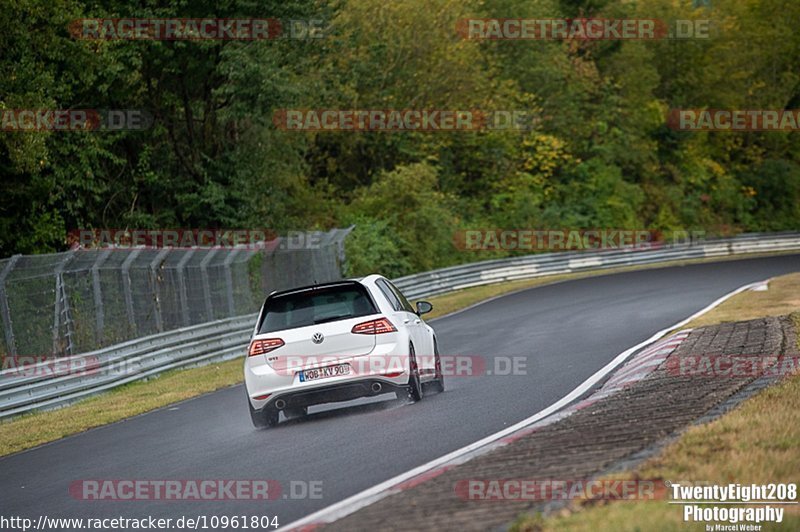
39 387
529 266
58 382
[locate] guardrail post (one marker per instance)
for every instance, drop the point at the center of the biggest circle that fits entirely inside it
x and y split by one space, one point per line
97 290
229 280
126 285
61 311
5 310
342 235
207 284
182 286
154 264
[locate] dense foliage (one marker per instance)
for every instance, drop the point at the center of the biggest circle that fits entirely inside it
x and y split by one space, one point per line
601 155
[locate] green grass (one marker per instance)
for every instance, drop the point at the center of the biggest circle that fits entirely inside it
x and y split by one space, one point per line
782 298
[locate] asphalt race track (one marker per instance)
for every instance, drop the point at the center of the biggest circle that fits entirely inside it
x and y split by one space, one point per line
566 331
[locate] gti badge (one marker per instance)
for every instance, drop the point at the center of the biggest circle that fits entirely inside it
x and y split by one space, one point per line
317 338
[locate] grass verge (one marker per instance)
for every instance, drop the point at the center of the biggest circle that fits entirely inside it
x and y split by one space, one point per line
136 398
128 400
781 298
755 443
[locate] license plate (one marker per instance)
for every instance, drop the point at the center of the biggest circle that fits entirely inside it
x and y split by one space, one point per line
323 373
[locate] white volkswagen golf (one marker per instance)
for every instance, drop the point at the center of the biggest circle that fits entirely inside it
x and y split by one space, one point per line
336 342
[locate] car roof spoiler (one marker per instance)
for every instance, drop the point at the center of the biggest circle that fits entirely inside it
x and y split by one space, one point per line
310 288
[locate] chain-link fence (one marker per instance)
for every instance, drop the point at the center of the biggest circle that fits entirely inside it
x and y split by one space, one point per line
84 299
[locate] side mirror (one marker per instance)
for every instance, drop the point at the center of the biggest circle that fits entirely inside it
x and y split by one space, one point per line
423 307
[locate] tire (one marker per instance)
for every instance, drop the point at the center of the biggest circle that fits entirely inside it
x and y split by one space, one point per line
296 412
437 385
263 419
414 385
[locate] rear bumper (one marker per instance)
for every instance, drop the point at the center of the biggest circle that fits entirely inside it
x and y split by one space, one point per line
332 393
386 365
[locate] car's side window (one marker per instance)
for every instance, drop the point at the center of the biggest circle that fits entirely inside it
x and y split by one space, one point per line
389 294
403 301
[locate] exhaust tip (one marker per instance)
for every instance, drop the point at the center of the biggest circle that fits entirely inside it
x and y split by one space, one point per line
280 404
376 387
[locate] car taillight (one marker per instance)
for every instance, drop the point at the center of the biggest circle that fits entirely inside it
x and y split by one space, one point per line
379 326
259 347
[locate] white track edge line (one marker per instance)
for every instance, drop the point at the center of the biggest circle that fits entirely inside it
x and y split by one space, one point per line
371 495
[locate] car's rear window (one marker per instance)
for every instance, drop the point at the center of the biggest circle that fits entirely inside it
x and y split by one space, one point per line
320 305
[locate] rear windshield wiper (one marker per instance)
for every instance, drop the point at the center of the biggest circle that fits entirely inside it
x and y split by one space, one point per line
333 318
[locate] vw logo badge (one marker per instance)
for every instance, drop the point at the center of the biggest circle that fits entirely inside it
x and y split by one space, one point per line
317 338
